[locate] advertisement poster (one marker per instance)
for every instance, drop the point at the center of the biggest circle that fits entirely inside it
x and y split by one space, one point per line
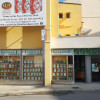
95 67
22 12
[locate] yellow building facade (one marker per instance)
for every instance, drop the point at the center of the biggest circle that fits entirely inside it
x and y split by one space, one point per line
29 38
66 26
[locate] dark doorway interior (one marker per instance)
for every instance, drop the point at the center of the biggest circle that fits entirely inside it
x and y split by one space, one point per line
79 62
95 68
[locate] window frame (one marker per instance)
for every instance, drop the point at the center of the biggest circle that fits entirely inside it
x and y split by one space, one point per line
68 15
61 15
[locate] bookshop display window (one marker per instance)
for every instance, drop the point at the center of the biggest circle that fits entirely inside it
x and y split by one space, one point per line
9 65
32 66
21 65
62 66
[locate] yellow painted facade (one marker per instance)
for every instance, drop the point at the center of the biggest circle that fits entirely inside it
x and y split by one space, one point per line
70 26
30 37
20 37
66 26
47 47
54 18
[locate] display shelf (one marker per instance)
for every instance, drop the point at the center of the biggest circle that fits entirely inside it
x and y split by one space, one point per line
59 63
32 70
14 63
9 72
4 63
9 67
33 76
62 70
28 63
9 75
70 67
9 63
59 68
32 63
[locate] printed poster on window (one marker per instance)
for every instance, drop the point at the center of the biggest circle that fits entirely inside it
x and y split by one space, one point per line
95 67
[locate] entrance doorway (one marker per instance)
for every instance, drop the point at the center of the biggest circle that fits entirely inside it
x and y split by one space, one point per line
95 68
79 62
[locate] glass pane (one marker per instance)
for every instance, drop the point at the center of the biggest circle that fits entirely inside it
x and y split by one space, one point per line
32 68
9 68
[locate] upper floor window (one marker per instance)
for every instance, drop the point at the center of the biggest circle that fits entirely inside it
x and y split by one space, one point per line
60 15
67 15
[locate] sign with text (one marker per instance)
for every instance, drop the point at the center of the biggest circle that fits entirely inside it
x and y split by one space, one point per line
22 12
31 52
43 34
62 52
10 52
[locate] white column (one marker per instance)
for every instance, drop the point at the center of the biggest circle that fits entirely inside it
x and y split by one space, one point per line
88 69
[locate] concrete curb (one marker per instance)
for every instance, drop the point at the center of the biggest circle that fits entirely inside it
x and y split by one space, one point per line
50 92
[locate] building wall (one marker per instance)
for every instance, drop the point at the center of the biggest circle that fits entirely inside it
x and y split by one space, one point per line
30 38
47 45
91 16
20 37
54 18
75 42
70 26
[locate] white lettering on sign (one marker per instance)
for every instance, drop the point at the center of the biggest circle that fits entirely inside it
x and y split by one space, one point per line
62 52
10 52
31 52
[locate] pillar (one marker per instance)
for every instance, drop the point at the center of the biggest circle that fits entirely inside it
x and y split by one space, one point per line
47 46
88 69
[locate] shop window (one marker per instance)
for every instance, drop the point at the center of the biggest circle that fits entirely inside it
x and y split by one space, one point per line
70 59
60 15
32 68
9 67
67 15
62 68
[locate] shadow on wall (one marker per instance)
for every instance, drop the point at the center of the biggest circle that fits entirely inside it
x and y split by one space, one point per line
86 32
96 34
20 37
3 37
79 30
31 37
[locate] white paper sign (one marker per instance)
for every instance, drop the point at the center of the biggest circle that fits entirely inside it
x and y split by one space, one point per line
43 35
22 12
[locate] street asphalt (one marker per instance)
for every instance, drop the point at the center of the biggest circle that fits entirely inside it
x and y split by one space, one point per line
73 96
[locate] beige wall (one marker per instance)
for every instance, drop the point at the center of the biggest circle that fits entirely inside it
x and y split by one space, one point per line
75 42
91 15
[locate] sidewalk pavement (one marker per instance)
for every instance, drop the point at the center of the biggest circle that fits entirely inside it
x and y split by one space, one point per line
14 90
